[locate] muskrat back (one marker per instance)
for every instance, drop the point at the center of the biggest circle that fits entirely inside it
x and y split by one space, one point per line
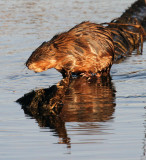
85 49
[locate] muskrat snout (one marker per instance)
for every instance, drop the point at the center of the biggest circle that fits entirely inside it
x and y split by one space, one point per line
27 64
36 66
31 66
40 66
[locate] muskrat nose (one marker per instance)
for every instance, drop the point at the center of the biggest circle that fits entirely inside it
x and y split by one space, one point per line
27 63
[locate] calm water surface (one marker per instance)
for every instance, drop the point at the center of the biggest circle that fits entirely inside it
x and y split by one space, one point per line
105 121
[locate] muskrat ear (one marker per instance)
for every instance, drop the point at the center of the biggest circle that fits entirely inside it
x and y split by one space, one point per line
43 43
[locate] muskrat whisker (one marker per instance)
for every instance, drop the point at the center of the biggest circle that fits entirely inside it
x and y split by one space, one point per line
23 69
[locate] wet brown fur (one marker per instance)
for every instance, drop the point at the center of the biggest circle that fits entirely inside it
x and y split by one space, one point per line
85 49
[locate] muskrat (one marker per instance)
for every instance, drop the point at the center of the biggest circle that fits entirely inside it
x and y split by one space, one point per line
86 49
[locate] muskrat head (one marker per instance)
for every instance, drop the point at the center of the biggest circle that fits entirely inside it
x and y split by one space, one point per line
42 58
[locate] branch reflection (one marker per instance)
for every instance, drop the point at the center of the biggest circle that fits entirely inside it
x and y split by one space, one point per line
79 100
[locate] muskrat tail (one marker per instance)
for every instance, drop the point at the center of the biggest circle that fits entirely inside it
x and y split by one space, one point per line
129 30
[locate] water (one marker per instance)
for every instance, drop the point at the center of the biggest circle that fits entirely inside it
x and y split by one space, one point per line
98 121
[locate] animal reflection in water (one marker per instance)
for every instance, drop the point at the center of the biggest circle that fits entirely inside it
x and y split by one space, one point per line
79 100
